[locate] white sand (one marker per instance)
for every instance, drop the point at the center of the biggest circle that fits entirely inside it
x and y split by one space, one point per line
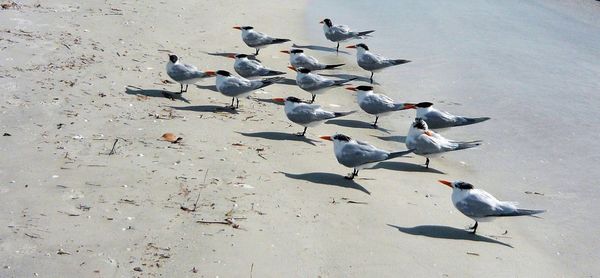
115 213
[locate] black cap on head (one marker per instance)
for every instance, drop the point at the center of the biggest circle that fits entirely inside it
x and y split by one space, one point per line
341 137
363 46
419 123
241 55
303 70
297 51
173 58
463 185
424 104
247 27
328 22
293 99
365 88
223 73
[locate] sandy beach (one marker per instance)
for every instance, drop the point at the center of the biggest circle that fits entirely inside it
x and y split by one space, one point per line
89 189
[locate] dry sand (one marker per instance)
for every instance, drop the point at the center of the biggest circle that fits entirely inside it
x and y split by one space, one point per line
76 76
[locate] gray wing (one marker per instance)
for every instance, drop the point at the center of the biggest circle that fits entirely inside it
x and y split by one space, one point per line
305 114
354 155
248 69
339 33
481 205
257 39
235 86
370 61
308 62
439 119
377 104
312 82
181 72
425 144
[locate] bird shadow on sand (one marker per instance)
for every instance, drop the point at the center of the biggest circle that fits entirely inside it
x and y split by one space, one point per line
137 91
267 100
328 179
279 136
395 138
405 167
206 108
445 232
287 81
227 54
320 48
355 124
207 87
349 76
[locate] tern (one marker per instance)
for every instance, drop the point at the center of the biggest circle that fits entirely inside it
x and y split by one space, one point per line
184 73
314 83
300 60
373 62
339 33
377 104
430 144
440 119
307 115
236 87
482 206
257 40
251 68
358 155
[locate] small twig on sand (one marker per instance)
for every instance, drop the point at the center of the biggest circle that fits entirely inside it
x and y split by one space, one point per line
112 151
251 268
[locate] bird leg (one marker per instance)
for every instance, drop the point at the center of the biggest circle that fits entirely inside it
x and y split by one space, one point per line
375 123
303 132
372 77
352 175
231 106
237 104
427 162
186 86
474 228
256 54
313 98
337 49
181 89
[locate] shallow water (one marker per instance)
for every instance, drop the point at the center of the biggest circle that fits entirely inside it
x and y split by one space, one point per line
533 67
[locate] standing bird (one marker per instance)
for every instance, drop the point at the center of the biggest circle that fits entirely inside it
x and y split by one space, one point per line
358 155
377 104
430 144
236 87
314 83
440 119
251 68
307 115
480 205
257 40
300 60
339 33
184 73
373 62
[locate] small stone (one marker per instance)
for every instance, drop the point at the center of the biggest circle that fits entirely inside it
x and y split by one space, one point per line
138 269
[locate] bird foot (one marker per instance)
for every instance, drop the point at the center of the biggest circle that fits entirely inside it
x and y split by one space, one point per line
349 177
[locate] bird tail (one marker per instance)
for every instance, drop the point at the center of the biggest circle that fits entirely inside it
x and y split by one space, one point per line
399 154
280 40
333 66
520 212
399 62
364 33
470 121
274 72
268 81
467 145
343 81
342 114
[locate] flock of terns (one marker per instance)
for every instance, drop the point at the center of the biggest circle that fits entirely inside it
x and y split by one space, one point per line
421 140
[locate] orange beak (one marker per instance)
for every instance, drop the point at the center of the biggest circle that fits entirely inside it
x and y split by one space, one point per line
327 137
292 68
210 73
351 89
285 51
279 100
429 133
231 56
409 106
321 21
447 183
237 27
351 46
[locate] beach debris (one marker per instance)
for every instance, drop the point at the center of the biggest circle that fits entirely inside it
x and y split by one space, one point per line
353 202
32 235
194 270
69 213
112 151
226 221
472 254
62 252
137 268
534 193
9 5
6 134
166 81
170 137
182 207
